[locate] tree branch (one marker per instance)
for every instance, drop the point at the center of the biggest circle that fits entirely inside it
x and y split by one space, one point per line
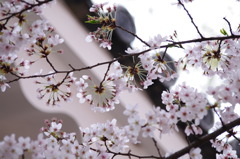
128 55
204 139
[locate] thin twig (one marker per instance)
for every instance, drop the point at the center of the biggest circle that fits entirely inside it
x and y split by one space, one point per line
191 18
129 154
50 63
201 40
66 76
194 133
105 75
164 53
229 25
144 42
156 145
23 156
133 155
71 66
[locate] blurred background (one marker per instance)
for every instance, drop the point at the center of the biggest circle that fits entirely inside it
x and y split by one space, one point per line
21 113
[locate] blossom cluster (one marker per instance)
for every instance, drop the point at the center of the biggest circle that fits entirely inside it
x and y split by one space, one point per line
51 143
157 68
186 103
8 66
106 137
106 18
17 36
224 149
99 141
214 57
15 6
155 121
182 104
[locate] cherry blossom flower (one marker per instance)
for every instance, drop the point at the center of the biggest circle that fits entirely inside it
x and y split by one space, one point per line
39 27
193 129
101 98
124 77
131 74
148 131
134 51
156 68
228 114
136 121
97 7
90 38
131 110
4 86
24 142
195 153
55 40
156 41
54 90
106 44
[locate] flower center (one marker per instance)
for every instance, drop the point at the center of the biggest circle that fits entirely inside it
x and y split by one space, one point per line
99 90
